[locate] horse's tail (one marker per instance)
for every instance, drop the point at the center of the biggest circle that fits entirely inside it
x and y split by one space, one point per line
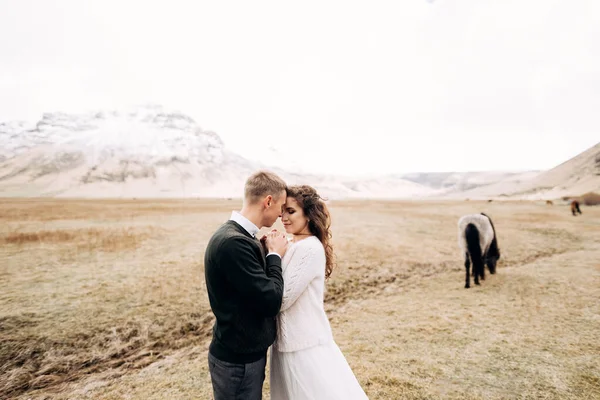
474 248
494 250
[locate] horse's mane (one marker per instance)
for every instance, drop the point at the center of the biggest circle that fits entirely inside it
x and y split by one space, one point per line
493 251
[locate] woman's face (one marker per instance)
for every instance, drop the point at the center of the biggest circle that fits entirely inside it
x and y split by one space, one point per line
293 218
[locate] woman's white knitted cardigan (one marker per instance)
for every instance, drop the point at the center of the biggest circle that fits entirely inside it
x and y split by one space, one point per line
302 322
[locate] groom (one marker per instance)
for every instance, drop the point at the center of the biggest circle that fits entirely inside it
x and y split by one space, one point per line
245 289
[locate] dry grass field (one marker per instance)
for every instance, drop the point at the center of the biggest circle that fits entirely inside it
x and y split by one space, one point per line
106 300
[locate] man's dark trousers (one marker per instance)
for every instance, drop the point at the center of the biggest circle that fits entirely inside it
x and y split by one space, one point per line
237 381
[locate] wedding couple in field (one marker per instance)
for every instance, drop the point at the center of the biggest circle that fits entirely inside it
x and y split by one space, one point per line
268 292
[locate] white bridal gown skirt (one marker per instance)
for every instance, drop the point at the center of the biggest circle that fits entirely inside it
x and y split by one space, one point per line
317 373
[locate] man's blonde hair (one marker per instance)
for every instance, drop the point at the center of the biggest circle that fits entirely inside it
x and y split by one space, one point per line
261 184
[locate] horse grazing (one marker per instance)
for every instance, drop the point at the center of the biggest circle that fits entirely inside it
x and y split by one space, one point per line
478 242
575 208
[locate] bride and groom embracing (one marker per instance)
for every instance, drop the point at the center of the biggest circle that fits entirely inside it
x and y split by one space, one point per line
270 291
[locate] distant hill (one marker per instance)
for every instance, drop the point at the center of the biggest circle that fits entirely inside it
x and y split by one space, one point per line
574 177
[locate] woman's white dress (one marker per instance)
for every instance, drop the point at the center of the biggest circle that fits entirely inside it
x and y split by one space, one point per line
306 363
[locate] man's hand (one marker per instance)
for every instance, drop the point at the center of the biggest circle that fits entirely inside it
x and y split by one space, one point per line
276 243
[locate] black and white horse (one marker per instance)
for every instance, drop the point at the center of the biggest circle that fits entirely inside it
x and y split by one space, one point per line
478 242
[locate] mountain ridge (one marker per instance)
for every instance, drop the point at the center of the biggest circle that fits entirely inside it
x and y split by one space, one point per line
149 151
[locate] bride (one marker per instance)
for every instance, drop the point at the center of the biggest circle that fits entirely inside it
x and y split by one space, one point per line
306 363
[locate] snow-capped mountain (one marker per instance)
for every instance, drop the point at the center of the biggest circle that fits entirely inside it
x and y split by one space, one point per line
153 152
145 152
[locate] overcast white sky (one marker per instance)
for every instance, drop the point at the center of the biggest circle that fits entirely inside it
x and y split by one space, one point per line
335 86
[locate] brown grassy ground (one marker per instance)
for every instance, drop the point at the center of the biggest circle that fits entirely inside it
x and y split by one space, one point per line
106 299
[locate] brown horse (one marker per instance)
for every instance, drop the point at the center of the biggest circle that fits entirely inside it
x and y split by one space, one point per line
575 207
549 202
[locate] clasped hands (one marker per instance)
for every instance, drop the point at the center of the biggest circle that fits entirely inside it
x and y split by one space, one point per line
274 242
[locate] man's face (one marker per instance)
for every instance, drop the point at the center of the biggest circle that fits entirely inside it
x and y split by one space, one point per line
274 209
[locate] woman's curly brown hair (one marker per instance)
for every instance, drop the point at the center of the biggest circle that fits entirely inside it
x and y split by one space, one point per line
319 219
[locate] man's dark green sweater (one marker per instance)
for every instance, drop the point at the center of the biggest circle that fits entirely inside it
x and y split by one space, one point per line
245 292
